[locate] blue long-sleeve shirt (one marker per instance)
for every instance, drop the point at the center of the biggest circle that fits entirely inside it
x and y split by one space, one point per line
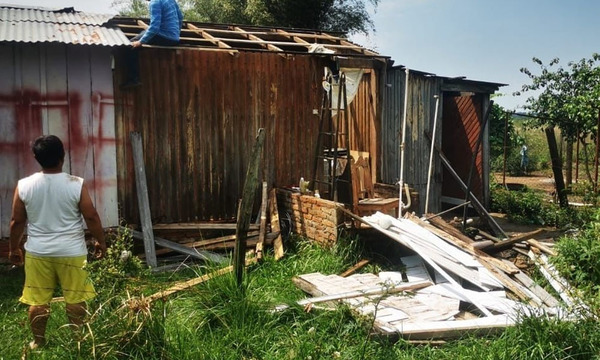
166 20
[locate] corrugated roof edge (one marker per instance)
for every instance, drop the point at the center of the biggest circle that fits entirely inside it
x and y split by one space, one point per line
449 79
31 24
67 12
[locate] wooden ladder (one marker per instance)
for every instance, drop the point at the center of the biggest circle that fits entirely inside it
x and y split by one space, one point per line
329 156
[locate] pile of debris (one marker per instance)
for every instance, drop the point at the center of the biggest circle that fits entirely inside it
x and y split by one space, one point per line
449 288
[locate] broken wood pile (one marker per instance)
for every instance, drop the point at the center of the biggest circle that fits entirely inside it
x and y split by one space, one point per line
455 287
265 232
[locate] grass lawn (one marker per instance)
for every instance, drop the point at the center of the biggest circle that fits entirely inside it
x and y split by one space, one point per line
218 320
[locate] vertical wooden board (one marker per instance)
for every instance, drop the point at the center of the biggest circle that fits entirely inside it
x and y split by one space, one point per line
80 142
8 136
274 214
56 103
29 120
103 130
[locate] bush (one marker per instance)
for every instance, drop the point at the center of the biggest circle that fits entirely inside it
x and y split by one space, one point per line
528 207
579 258
523 206
111 273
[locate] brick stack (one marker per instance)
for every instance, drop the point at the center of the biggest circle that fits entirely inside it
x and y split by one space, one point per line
315 218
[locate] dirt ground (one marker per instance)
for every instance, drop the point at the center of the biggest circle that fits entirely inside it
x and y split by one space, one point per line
536 181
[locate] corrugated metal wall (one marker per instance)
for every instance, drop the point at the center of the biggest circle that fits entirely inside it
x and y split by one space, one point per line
421 110
63 90
198 113
462 126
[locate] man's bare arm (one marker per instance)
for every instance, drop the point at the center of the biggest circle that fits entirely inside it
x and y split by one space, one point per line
92 219
17 228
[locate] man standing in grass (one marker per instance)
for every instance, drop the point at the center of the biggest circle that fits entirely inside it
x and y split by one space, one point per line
52 204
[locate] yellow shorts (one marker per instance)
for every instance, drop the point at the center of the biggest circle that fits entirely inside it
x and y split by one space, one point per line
42 274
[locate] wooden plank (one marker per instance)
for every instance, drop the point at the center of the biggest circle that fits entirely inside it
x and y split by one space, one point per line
505 244
366 292
493 300
222 243
452 329
516 288
143 201
250 242
202 255
557 282
539 291
443 225
359 265
187 284
278 242
542 247
245 207
263 222
200 226
303 283
424 306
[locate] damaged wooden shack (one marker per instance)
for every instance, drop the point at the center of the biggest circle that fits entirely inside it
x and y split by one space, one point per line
199 109
195 118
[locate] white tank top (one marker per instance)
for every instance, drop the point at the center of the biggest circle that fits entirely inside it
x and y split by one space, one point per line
55 225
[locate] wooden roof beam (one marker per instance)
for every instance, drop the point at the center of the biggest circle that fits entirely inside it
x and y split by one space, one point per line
348 43
142 24
208 36
295 38
256 38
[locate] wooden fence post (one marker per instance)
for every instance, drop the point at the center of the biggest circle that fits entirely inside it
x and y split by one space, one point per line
245 208
143 201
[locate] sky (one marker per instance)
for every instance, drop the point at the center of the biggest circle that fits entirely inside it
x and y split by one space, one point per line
487 40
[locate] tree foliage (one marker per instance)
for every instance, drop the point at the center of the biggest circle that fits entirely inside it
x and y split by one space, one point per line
500 122
344 16
569 98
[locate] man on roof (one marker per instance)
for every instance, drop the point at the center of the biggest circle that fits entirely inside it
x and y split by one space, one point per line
166 20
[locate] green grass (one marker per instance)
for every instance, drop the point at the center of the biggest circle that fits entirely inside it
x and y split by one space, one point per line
218 320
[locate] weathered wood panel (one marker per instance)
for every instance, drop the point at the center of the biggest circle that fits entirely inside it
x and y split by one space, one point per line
53 89
420 113
198 113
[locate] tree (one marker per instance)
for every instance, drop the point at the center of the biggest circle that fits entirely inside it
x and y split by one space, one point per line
501 126
568 99
343 16
133 8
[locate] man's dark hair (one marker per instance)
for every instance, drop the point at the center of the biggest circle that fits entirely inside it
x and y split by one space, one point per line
48 151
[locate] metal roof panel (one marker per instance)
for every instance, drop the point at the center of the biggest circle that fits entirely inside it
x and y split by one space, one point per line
60 16
34 32
33 25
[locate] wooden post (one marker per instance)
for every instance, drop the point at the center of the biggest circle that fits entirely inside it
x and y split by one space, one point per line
275 227
245 208
142 196
556 168
597 155
263 222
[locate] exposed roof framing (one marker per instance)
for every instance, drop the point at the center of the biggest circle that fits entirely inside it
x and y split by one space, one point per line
233 38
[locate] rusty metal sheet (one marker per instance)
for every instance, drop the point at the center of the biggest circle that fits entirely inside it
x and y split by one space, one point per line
199 113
